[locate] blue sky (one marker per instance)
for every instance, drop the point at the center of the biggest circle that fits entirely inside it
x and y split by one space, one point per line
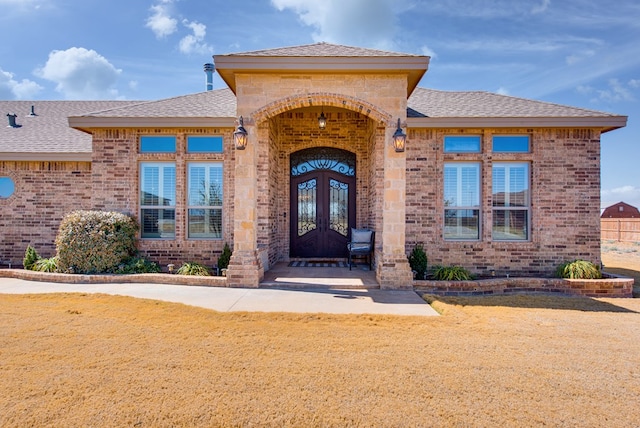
584 53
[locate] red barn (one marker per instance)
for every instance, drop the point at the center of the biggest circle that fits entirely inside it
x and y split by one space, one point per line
620 210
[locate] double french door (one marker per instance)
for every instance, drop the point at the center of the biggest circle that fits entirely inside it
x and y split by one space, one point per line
322 203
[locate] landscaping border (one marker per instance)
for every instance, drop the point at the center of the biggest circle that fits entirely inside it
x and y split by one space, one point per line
155 278
609 286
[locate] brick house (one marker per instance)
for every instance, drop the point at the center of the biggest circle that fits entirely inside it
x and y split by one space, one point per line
486 181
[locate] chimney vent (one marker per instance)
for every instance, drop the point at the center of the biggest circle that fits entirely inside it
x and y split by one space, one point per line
12 120
209 69
33 111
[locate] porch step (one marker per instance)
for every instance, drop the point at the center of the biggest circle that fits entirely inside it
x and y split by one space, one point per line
316 286
283 275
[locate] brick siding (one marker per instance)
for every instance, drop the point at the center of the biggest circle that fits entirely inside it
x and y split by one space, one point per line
44 193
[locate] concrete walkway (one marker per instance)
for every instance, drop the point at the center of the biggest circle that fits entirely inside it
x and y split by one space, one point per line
333 301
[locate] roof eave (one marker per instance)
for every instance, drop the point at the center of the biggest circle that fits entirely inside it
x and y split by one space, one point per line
605 123
85 123
414 66
41 156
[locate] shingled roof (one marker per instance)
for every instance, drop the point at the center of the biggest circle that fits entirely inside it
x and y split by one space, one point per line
47 135
207 109
433 108
321 49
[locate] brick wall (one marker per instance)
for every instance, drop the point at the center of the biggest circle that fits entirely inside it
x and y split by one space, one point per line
565 201
44 193
115 181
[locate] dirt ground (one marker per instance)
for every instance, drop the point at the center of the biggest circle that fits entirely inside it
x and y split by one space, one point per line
96 360
623 258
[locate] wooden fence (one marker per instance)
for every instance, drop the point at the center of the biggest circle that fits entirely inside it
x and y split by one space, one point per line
620 229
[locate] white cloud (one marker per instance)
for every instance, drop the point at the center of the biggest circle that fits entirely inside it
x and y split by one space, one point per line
634 83
13 89
502 91
428 51
579 56
615 93
81 74
371 23
193 43
541 7
629 194
161 22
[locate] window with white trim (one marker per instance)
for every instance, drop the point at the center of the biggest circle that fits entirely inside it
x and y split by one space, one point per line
158 199
511 201
204 201
462 200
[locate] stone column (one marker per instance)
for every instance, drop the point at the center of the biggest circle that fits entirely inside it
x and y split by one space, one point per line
392 270
245 268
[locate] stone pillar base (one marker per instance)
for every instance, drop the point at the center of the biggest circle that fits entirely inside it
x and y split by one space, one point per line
245 270
394 274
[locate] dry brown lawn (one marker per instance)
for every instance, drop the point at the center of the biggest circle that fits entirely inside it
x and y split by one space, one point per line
623 258
96 360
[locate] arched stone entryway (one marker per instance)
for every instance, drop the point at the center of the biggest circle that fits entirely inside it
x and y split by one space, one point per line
263 230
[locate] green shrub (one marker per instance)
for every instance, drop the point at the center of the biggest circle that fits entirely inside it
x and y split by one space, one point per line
193 268
95 241
451 273
223 260
30 257
46 265
137 265
418 261
579 269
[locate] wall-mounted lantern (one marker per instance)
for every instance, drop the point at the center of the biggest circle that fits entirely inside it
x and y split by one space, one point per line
399 139
240 136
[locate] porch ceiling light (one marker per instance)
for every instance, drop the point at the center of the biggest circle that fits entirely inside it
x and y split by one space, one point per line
240 135
399 139
322 121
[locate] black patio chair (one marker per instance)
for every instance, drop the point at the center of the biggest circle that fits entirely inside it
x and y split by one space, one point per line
361 245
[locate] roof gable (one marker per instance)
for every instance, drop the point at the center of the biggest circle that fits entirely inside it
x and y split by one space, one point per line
322 58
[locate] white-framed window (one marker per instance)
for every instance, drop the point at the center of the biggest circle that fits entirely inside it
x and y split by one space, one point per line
462 200
204 200
511 201
158 199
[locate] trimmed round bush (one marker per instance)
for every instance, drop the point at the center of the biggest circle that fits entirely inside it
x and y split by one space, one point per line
92 242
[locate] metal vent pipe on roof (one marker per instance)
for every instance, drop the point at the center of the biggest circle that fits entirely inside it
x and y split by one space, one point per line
12 120
33 111
209 69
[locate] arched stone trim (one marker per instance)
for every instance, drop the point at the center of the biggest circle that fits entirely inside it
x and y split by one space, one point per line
322 99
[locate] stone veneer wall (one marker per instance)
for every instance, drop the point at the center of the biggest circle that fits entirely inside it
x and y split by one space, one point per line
115 182
44 193
565 201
